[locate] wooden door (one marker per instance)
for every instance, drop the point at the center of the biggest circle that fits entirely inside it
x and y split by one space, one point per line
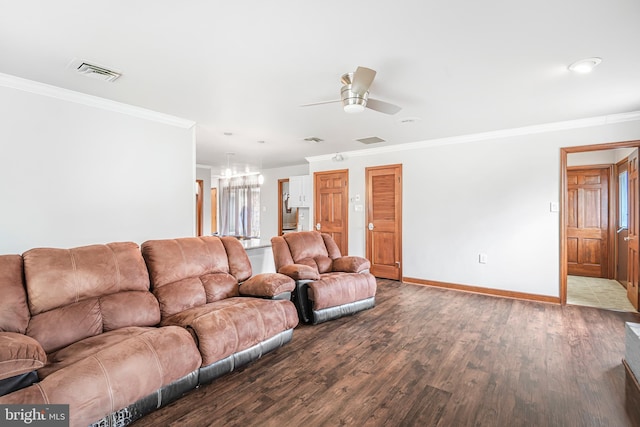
384 220
622 223
633 258
588 221
331 209
199 205
214 210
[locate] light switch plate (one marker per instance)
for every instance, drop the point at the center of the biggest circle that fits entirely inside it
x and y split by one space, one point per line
554 207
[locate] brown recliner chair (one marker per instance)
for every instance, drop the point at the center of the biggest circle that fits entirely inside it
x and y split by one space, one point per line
328 285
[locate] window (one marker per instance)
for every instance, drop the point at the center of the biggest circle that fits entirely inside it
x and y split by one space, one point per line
240 207
623 210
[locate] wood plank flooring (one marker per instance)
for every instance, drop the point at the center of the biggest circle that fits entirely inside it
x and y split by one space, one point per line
428 357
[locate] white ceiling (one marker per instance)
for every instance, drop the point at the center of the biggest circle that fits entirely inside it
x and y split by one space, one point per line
245 67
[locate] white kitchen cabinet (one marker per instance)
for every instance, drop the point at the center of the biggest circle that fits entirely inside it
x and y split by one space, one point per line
300 191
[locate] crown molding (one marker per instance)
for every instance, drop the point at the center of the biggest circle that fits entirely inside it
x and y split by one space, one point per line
51 91
504 133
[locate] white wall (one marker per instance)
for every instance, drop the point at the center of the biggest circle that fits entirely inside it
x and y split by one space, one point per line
72 174
490 196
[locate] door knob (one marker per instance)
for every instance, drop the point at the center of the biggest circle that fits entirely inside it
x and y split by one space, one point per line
626 239
318 226
370 226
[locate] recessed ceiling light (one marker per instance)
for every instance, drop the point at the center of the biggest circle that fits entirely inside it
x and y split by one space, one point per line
585 65
228 133
261 142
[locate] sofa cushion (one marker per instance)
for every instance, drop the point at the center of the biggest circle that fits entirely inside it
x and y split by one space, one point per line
332 247
19 354
308 248
84 348
306 244
172 260
113 376
335 289
239 264
59 277
225 327
81 292
14 313
188 272
351 264
267 285
65 325
300 272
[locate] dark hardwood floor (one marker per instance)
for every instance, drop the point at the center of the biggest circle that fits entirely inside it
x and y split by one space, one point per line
428 357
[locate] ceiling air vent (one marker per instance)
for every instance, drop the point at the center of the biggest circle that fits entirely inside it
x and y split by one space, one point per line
314 139
97 72
370 140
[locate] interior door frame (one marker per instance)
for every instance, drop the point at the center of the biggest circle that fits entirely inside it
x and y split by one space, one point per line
564 151
622 164
199 206
214 210
280 202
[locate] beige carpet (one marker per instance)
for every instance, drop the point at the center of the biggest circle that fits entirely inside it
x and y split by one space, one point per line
601 293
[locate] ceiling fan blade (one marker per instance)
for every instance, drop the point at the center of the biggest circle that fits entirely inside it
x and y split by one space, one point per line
362 79
383 107
320 103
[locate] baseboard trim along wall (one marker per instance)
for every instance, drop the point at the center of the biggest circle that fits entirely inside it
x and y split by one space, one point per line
485 291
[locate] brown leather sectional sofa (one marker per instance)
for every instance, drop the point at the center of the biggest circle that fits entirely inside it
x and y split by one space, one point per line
117 330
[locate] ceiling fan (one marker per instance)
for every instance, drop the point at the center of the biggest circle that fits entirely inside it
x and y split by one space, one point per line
354 95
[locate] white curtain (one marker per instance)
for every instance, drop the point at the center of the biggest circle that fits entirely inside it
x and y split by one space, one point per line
240 206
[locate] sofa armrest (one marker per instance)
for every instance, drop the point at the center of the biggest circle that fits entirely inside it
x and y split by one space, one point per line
351 264
267 285
300 272
19 354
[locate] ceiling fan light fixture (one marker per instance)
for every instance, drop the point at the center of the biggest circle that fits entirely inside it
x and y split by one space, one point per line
353 108
353 102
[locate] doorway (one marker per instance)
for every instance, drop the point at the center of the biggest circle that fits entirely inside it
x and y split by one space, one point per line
595 262
287 215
